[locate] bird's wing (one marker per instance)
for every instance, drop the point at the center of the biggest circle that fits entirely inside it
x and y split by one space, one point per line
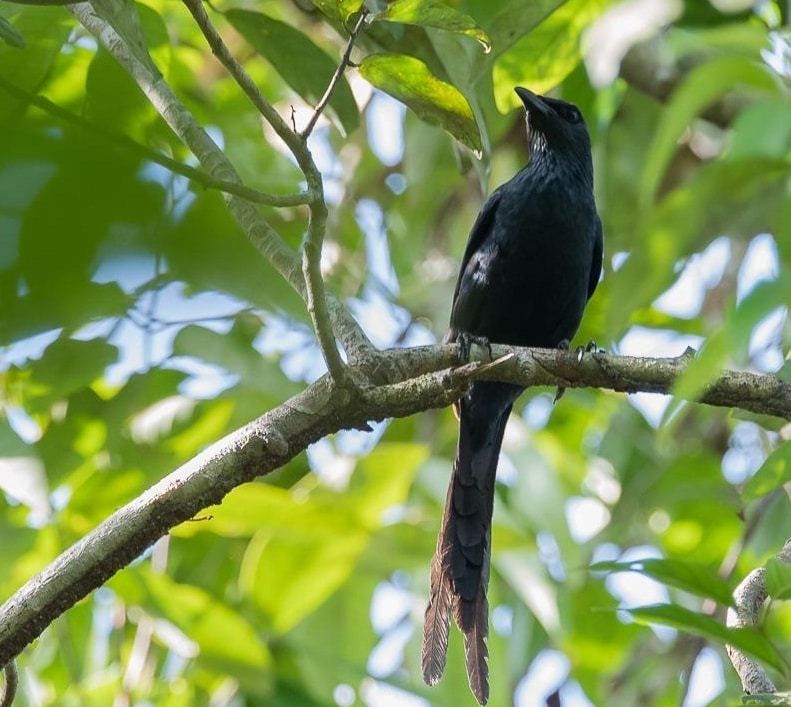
480 230
596 261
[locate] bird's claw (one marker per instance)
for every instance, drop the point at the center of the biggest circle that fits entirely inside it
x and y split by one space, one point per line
465 342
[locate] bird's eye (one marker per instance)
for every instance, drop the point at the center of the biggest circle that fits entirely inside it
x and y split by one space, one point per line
573 115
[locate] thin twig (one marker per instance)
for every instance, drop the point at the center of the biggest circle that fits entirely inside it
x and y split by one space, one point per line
218 47
11 684
127 143
336 77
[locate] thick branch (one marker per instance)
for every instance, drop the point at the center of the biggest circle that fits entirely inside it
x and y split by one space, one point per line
425 378
749 598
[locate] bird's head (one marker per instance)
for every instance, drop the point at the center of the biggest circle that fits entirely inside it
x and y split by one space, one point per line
555 126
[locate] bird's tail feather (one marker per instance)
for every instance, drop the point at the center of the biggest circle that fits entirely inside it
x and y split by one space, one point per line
460 568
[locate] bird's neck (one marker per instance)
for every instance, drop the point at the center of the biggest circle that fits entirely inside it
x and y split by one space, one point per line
548 166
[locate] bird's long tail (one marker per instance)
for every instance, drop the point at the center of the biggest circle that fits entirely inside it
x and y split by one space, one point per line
460 568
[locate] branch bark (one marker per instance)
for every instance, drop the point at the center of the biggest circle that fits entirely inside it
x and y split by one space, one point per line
749 598
413 380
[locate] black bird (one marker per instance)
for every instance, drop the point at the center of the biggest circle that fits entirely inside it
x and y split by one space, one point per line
532 261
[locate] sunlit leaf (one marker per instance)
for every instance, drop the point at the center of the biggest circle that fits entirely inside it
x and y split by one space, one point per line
411 82
541 59
436 14
747 640
304 66
691 577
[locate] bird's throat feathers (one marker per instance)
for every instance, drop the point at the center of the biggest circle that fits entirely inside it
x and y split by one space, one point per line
549 162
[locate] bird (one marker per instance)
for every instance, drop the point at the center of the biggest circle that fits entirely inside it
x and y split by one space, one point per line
533 259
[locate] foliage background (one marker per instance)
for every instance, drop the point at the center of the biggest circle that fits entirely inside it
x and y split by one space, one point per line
139 325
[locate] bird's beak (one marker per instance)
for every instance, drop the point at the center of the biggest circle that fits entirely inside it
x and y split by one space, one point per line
539 113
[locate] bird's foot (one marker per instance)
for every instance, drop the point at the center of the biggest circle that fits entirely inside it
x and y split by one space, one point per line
563 345
465 342
590 347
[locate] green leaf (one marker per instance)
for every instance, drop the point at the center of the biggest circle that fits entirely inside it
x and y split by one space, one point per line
304 66
227 641
310 538
778 579
544 57
339 9
747 640
9 34
436 14
411 82
509 22
774 472
763 129
692 577
46 29
701 87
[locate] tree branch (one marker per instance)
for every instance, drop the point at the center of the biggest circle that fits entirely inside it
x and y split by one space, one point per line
749 598
314 293
11 678
415 379
336 77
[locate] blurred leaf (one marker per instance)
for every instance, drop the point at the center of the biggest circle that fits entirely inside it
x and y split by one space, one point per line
746 640
701 87
303 65
226 640
436 14
541 59
778 579
411 82
684 221
234 351
309 540
774 472
67 366
763 129
45 30
692 577
732 339
339 9
9 34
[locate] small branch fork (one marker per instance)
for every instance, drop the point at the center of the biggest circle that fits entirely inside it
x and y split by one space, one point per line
314 292
336 77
